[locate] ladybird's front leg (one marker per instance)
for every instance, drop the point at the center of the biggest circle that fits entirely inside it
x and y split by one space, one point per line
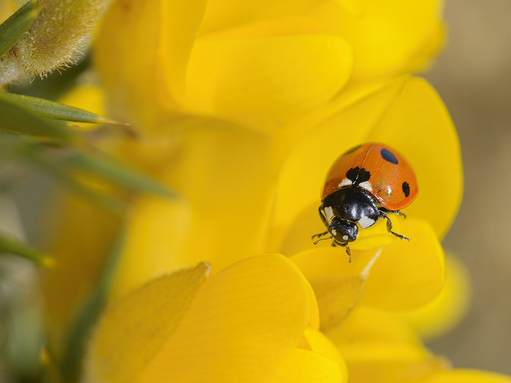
325 221
323 216
389 226
319 235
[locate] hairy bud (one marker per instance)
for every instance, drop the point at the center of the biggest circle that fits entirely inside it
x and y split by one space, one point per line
55 40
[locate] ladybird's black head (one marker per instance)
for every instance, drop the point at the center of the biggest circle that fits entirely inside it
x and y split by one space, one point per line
343 231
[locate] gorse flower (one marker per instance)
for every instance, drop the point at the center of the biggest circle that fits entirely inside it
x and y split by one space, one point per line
254 321
242 107
262 65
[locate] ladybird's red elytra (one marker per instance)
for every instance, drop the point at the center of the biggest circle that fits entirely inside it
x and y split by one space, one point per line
363 185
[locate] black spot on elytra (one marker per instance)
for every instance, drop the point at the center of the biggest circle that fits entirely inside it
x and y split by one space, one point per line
406 189
357 175
388 156
349 151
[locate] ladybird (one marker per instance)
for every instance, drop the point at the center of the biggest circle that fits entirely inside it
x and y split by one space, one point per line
366 183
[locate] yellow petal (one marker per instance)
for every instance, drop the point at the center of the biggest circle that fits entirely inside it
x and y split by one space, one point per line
7 8
267 81
308 367
396 371
405 114
224 14
337 285
443 313
320 344
369 335
134 329
468 376
389 37
224 179
378 346
244 323
407 274
304 366
140 43
80 246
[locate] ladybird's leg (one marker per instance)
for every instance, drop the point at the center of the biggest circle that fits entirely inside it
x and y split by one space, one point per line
397 212
389 226
325 221
323 217
348 251
319 235
324 239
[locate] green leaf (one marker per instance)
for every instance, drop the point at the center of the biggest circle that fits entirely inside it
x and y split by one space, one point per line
13 28
57 110
11 246
107 202
15 118
114 171
86 318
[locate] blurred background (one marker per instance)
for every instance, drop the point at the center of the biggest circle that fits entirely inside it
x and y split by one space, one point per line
473 76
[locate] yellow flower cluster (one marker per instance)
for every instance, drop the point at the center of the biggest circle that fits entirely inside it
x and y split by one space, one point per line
242 106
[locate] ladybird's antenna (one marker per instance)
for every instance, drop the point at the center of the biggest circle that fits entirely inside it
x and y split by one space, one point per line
323 239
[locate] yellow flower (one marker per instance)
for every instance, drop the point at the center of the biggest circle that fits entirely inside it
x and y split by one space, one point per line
243 111
379 347
255 321
442 314
260 64
240 202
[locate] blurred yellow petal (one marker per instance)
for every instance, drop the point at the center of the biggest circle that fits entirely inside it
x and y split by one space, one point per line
135 329
396 371
407 274
225 185
468 376
244 323
379 347
370 335
266 82
225 14
7 8
407 115
80 246
443 313
141 42
308 367
389 37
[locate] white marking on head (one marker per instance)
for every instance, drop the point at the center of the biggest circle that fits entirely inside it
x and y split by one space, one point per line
345 182
366 185
366 222
329 212
345 237
333 232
